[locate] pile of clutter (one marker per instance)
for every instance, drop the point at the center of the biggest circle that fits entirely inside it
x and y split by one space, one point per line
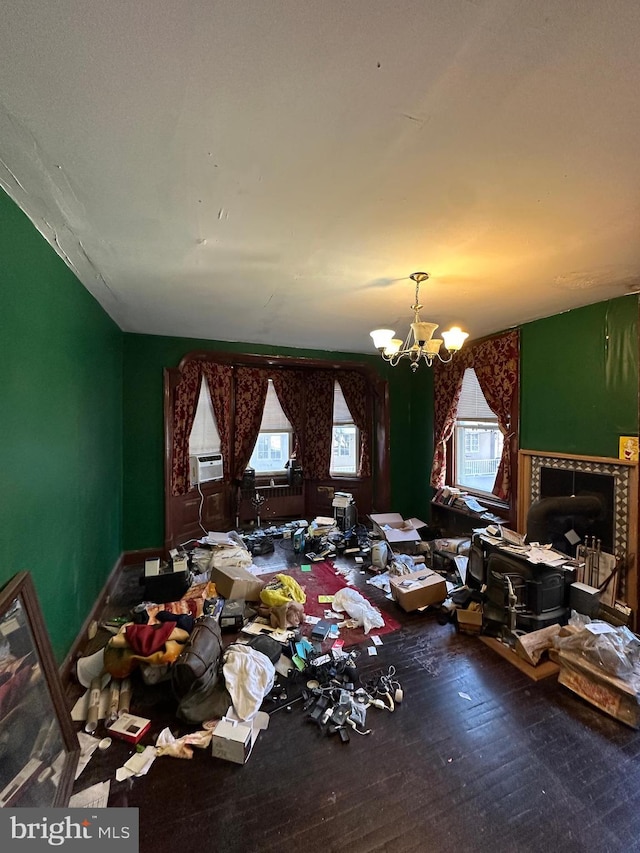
223 687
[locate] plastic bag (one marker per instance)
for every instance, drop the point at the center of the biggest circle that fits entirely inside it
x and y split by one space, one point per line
281 590
616 650
402 564
358 608
224 556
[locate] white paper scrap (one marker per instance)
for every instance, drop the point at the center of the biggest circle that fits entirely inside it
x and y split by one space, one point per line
95 797
138 765
88 745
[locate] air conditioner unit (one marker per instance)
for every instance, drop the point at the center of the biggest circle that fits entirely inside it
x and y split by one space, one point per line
205 468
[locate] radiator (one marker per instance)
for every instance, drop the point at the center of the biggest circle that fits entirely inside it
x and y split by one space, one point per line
279 502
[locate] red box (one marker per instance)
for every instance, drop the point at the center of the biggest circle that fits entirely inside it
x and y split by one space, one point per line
129 727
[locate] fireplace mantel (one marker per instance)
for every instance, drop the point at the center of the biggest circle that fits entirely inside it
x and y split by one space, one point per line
625 496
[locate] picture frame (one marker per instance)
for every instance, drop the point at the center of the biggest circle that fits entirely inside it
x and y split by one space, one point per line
39 748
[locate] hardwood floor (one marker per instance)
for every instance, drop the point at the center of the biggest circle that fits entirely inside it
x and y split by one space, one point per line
476 758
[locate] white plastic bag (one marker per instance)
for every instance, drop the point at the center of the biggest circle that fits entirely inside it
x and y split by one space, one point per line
357 606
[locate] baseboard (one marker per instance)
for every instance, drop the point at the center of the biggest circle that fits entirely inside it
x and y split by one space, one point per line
127 558
66 667
137 558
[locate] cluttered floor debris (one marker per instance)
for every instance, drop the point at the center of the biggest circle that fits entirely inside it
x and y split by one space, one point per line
333 719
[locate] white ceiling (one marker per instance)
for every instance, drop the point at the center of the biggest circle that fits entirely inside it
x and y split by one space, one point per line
272 171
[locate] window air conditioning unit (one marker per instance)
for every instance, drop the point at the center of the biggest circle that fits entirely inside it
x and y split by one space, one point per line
205 468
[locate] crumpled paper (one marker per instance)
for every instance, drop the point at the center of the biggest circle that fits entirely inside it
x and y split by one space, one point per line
168 744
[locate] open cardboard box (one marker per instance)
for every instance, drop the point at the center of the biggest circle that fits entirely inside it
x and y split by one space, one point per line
233 740
469 621
402 535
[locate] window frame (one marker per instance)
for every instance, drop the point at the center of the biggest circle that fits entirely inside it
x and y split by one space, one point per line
279 474
338 424
272 472
505 509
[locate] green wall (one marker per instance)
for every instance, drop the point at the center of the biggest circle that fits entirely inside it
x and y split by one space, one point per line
82 450
579 379
145 357
411 439
61 448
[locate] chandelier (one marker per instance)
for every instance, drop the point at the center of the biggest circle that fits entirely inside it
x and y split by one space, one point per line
423 346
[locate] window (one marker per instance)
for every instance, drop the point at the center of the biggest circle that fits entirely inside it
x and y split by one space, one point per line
273 447
477 439
204 438
346 439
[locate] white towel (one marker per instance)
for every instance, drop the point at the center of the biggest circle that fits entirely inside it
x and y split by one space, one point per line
249 675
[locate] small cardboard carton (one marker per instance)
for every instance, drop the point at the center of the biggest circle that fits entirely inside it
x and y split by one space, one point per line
418 589
469 621
401 534
129 727
233 740
236 582
610 694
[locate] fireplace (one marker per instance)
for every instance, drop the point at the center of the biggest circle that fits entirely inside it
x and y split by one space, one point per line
615 483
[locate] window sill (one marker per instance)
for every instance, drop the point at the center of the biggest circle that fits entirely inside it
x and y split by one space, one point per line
494 509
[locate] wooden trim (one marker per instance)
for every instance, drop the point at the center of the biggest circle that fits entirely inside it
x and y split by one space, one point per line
276 362
66 667
137 558
546 669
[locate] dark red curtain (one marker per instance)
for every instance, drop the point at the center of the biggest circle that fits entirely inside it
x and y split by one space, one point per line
356 391
185 400
319 424
250 395
497 366
447 385
290 386
496 362
219 378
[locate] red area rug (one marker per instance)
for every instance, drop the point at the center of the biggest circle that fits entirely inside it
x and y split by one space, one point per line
323 580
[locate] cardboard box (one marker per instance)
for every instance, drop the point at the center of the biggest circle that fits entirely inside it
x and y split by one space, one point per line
584 598
236 582
469 621
233 740
402 535
418 589
129 727
608 693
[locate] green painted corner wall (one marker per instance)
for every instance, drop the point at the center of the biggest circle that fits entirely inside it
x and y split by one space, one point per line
61 448
579 379
411 438
145 357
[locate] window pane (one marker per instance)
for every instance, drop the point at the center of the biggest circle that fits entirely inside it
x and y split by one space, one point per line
477 439
344 450
204 436
271 453
478 451
345 447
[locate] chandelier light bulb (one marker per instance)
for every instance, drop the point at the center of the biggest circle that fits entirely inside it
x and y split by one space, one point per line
419 345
